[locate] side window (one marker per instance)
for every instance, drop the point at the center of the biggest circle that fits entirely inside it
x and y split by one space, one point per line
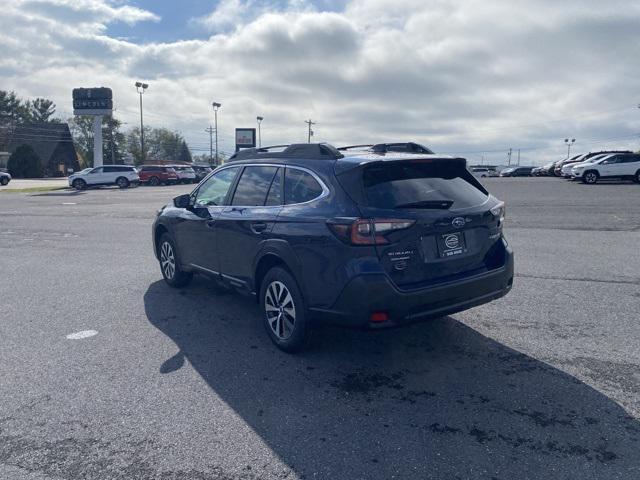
274 197
96 170
253 186
214 190
300 186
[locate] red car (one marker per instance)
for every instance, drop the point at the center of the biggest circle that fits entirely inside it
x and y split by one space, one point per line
157 174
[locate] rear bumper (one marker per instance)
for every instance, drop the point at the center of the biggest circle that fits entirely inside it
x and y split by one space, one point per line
370 293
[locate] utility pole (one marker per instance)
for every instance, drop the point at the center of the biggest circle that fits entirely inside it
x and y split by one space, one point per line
216 106
210 131
509 161
309 123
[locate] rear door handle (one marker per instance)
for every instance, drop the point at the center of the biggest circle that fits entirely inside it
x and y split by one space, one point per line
258 227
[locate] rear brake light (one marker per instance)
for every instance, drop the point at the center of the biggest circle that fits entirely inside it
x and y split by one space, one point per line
499 212
367 231
378 317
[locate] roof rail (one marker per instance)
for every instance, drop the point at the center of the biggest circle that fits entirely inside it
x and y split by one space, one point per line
309 151
410 147
349 147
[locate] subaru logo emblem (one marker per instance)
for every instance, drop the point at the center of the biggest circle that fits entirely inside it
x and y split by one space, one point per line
458 222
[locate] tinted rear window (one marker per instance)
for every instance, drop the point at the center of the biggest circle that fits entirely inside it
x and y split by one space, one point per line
389 186
253 186
300 186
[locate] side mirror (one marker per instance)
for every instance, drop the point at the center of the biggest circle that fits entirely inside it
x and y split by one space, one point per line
182 201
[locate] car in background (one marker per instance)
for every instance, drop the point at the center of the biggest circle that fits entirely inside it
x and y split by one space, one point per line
582 158
185 173
157 174
619 166
5 178
201 171
363 240
121 175
482 172
536 172
567 167
516 172
557 167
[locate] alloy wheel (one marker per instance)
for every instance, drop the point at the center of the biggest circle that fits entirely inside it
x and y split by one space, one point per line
590 177
167 260
280 310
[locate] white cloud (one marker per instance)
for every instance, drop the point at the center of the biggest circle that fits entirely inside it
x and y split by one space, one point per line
459 75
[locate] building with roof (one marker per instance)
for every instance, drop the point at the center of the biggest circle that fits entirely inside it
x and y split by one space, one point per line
52 142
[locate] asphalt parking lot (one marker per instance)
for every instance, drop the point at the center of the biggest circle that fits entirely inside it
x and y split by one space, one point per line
185 384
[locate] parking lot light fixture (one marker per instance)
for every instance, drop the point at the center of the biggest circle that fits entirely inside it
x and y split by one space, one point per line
141 87
569 143
259 119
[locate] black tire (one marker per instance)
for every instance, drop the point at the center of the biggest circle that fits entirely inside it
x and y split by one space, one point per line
636 177
79 184
590 177
154 181
170 264
122 182
279 307
4 181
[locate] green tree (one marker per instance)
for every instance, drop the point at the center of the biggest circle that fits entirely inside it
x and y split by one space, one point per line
114 142
160 144
185 153
25 163
41 110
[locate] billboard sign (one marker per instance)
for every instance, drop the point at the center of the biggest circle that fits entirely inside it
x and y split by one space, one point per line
92 101
245 138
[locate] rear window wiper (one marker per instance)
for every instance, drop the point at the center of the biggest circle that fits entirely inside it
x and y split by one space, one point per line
440 204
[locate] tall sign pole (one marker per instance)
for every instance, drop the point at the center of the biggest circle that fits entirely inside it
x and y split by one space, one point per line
97 103
97 141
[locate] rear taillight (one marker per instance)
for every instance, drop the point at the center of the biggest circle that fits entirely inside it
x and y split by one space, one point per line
367 231
499 212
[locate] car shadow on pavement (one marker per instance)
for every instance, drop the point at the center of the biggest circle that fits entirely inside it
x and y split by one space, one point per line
432 400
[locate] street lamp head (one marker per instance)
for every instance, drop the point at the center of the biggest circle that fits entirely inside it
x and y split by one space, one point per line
573 140
216 105
566 140
259 119
145 86
138 84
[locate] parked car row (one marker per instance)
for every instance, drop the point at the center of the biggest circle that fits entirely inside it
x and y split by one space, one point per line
593 166
125 175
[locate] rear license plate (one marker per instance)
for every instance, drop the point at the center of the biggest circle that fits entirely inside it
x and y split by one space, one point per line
451 244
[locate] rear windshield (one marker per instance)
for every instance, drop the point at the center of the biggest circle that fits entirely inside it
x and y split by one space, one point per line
405 184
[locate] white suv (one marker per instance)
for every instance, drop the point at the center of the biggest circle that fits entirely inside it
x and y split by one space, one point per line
625 165
186 174
120 175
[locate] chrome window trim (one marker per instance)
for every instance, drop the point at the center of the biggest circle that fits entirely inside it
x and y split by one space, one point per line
325 190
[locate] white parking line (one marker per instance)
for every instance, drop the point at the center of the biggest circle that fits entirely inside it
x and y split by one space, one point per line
82 334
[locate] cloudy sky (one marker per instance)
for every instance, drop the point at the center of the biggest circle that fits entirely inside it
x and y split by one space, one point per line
470 77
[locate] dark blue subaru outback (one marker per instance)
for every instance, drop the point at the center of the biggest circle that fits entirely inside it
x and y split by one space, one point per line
366 236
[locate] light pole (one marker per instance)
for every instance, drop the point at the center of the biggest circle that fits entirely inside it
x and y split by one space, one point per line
216 106
259 119
141 87
569 143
